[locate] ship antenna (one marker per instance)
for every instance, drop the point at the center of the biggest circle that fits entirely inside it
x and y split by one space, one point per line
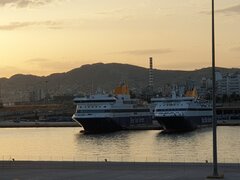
92 87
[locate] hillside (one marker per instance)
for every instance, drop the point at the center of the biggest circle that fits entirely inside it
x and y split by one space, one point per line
105 76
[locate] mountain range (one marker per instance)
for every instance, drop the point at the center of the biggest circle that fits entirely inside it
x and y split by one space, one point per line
99 75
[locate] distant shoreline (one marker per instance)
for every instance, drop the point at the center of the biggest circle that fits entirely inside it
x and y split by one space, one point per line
74 124
37 124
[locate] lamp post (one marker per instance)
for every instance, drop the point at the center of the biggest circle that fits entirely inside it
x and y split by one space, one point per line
214 121
214 124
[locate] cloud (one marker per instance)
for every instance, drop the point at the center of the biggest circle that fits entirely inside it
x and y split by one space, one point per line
7 71
17 25
227 11
119 13
24 3
40 66
235 49
110 12
230 10
146 52
37 60
51 65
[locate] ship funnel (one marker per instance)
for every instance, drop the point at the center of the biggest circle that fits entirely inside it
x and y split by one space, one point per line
192 93
121 90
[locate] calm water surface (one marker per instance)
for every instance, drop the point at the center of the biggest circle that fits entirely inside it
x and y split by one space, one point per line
151 146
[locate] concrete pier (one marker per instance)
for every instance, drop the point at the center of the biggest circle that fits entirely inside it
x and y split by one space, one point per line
112 170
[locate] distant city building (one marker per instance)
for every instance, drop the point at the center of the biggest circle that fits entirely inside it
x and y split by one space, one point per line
229 84
226 85
218 76
205 87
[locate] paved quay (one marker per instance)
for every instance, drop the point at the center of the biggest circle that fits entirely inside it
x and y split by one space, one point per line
28 170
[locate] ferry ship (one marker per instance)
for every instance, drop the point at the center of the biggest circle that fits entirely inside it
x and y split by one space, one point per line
101 112
178 114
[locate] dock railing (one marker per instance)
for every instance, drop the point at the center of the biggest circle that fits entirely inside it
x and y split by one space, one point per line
120 158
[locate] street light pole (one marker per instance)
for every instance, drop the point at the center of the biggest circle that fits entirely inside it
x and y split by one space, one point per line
214 120
214 123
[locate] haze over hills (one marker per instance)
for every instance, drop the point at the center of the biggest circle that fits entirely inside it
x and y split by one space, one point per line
105 76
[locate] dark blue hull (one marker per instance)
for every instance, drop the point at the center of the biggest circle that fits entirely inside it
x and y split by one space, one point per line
181 124
102 125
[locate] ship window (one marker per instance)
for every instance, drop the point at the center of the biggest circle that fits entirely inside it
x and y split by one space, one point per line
114 111
95 101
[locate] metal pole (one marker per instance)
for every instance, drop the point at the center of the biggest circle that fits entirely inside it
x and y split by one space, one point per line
214 123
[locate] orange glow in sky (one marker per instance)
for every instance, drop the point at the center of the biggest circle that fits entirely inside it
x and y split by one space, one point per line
46 36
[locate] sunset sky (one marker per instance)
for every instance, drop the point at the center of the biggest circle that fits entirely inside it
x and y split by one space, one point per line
45 36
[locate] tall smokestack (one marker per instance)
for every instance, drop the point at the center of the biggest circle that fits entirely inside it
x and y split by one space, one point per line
1 102
150 82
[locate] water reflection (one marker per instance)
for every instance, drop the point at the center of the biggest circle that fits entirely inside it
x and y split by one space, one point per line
186 146
120 146
103 144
